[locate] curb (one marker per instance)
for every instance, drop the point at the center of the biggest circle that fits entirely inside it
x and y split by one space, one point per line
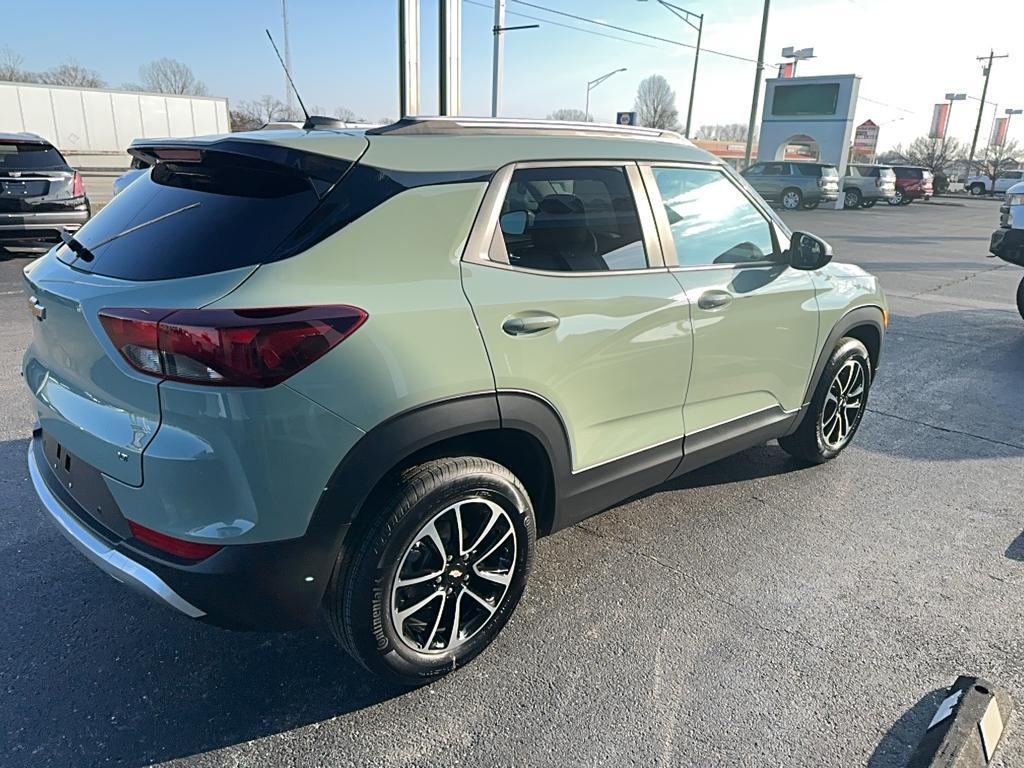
966 728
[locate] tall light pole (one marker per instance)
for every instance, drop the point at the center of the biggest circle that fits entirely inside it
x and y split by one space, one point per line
797 55
592 84
950 97
981 108
1010 113
688 17
757 85
288 99
499 53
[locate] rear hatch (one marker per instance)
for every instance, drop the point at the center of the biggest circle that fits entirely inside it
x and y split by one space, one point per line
829 179
182 236
34 177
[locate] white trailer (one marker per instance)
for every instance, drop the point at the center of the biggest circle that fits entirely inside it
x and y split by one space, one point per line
93 127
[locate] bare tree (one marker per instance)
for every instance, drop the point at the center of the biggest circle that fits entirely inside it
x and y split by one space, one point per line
656 104
10 67
346 114
723 132
72 73
999 159
571 115
250 115
934 154
168 76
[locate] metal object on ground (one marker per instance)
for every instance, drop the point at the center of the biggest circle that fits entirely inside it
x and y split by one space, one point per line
966 727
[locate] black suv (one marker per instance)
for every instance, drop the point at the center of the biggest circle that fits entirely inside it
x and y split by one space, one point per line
40 194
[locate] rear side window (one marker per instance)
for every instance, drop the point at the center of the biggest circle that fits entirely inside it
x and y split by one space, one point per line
711 220
910 173
572 219
29 156
865 171
804 169
206 213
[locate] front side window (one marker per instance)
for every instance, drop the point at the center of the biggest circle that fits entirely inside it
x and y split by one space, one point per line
711 221
572 219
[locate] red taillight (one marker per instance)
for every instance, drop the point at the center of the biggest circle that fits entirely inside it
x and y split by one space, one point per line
187 550
228 347
77 186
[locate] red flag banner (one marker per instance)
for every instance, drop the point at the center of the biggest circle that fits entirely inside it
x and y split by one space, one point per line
940 116
999 131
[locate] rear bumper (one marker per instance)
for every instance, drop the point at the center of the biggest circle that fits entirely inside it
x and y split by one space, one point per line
40 226
274 586
1008 245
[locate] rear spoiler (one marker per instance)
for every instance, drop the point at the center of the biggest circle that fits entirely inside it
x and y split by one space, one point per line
322 171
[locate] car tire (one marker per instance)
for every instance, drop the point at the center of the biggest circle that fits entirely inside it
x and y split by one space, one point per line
868 203
810 205
977 189
1020 298
852 199
460 505
832 419
907 200
792 199
897 198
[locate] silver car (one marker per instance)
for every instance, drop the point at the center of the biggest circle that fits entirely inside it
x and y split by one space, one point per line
794 185
865 185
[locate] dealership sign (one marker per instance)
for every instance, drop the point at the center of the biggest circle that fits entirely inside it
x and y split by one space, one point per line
999 131
865 138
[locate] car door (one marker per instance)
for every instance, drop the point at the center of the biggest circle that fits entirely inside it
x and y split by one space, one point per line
1007 180
576 306
755 318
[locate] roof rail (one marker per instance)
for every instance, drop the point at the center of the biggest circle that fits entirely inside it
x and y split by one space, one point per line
429 125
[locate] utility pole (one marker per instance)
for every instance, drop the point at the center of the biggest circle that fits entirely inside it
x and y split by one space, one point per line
981 107
499 56
288 100
499 53
450 55
757 85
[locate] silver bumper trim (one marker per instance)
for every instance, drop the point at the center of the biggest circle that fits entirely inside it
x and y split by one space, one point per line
115 564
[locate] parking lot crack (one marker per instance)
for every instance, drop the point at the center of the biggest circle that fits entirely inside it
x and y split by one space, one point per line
947 429
964 279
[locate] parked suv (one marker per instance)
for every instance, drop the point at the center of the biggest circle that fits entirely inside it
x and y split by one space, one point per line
912 183
795 185
1007 242
981 185
40 194
865 185
293 371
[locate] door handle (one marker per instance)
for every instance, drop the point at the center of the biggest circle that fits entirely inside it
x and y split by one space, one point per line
524 325
714 300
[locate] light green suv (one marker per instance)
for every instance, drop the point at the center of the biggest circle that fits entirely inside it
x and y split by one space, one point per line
303 370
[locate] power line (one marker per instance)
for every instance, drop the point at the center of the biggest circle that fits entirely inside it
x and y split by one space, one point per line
564 26
633 31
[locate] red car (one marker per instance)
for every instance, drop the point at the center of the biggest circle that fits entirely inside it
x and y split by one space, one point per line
912 183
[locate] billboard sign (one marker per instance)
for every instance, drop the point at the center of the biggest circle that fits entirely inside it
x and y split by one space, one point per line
625 118
940 117
998 138
865 138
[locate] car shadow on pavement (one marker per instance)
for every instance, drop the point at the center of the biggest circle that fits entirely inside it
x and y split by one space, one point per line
902 738
752 464
94 674
1016 549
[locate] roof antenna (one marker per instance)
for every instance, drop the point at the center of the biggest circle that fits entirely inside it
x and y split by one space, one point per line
308 124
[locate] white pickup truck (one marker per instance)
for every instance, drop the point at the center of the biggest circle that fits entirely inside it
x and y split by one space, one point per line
1008 241
981 185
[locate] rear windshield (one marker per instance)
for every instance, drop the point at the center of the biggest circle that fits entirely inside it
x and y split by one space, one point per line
887 173
29 156
226 211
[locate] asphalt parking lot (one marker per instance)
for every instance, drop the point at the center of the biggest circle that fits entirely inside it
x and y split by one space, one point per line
754 613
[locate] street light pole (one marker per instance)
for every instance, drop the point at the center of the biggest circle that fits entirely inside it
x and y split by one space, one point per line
757 85
592 84
688 17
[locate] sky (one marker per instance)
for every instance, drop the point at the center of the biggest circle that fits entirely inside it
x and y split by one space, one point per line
909 53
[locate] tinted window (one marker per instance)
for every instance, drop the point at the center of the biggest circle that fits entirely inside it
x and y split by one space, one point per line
806 169
712 222
247 207
909 173
865 171
24 156
754 170
776 169
580 219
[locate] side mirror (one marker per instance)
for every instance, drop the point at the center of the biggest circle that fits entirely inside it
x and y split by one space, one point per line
808 252
513 222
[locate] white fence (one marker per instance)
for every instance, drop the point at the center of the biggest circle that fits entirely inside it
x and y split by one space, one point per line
94 126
